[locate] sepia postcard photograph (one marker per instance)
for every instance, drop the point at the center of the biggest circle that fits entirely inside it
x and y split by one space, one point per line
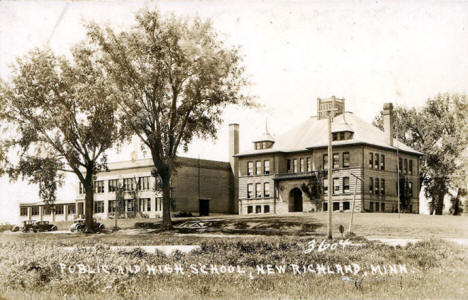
215 149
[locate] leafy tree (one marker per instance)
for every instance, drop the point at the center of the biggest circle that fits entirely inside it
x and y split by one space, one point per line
440 131
313 188
174 77
63 105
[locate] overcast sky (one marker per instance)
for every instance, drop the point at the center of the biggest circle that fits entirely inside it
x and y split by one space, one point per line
368 52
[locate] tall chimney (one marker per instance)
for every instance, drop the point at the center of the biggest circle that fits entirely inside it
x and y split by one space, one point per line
388 123
234 162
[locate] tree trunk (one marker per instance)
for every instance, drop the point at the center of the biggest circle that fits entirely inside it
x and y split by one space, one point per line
89 202
439 204
166 189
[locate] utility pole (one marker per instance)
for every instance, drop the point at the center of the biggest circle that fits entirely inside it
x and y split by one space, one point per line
331 113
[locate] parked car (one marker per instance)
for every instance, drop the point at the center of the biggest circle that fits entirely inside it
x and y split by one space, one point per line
43 226
27 225
79 225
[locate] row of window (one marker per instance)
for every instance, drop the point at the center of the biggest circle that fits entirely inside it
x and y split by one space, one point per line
376 186
336 206
376 161
345 157
144 205
258 167
59 210
258 209
129 184
300 165
261 190
344 186
405 166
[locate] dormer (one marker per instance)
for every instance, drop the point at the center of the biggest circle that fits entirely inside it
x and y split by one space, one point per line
341 130
266 141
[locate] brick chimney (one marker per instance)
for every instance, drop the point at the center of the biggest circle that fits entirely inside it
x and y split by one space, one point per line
388 123
234 162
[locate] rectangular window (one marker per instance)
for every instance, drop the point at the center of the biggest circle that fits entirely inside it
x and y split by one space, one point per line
266 167
371 160
382 162
258 190
250 190
294 165
377 162
336 185
111 207
400 165
309 167
99 187
59 210
372 206
98 207
410 189
23 211
382 186
266 189
71 209
129 184
325 162
112 185
345 159
406 166
288 165
249 209
376 206
325 206
302 165
148 204
266 209
383 207
342 136
158 201
325 186
336 206
346 205
144 183
130 205
371 185
35 210
411 167
345 184
334 136
258 209
250 168
336 161
258 167
377 186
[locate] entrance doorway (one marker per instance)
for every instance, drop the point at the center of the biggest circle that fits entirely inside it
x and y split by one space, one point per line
204 207
295 200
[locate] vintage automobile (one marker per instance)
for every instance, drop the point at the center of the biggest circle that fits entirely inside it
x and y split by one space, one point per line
79 225
35 226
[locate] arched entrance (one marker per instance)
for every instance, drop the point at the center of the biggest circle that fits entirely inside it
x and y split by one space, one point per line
295 200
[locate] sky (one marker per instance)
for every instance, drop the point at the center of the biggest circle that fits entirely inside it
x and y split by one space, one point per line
368 52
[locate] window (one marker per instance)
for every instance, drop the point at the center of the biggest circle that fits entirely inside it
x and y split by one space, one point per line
376 162
383 207
325 162
98 207
294 165
71 209
249 209
23 211
376 206
309 167
258 190
382 162
129 184
345 184
258 209
258 167
334 136
266 189
410 189
336 160
400 165
302 166
336 205
111 207
406 166
148 204
371 160
336 185
130 205
411 167
266 209
346 205
47 210
288 163
59 209
35 210
99 187
250 168
158 201
372 206
341 136
144 183
377 186
81 187
325 186
371 185
325 206
250 190
266 167
112 185
345 159
382 186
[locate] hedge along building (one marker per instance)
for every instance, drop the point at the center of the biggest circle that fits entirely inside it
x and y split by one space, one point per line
272 175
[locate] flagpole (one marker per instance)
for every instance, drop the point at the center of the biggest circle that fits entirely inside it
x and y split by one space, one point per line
398 178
